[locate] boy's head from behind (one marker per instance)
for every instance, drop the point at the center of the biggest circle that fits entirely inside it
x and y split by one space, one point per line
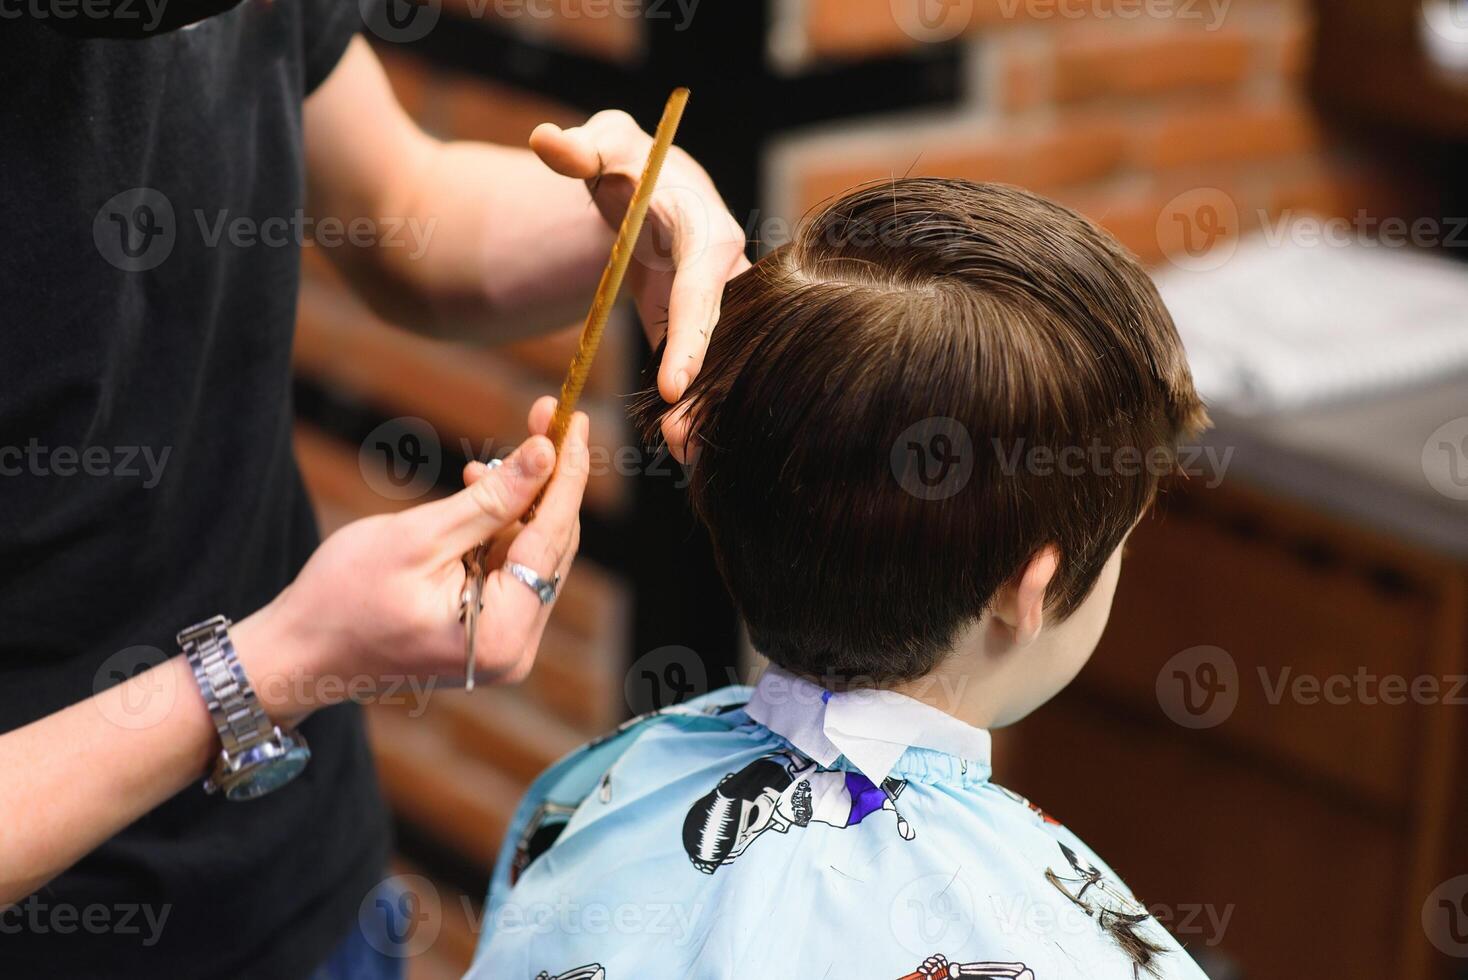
935 388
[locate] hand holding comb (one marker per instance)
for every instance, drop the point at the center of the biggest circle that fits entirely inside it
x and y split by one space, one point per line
471 603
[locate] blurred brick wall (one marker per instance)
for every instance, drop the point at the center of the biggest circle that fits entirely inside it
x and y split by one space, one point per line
1170 122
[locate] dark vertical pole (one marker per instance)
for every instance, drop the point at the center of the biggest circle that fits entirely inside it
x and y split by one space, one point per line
719 54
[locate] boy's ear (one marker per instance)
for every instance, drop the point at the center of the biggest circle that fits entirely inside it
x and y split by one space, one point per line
1021 603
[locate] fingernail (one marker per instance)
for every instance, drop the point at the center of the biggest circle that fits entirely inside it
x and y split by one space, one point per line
680 384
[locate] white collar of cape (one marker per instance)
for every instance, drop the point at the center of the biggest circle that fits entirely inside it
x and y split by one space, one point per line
871 728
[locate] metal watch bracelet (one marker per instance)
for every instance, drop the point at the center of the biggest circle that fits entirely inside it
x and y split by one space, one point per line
245 730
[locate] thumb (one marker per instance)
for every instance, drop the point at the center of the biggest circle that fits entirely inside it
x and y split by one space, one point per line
569 152
493 502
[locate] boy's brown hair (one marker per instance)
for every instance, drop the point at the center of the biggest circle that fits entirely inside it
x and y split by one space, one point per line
871 425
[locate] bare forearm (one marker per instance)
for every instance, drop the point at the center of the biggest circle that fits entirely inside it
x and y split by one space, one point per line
507 248
77 777
461 239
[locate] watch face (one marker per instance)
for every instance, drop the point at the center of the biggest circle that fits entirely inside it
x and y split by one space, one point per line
270 775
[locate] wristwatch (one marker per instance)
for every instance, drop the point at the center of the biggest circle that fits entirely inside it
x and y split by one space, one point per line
257 757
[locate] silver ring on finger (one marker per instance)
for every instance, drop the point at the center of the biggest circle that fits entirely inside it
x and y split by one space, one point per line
545 591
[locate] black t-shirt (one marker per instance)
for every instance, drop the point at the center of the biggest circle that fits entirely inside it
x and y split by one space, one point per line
146 472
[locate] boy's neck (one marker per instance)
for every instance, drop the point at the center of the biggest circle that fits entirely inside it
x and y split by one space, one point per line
987 679
955 692
976 682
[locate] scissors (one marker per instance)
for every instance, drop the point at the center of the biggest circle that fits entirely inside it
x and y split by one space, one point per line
471 604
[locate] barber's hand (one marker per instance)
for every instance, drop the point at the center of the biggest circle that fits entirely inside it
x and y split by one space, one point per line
690 247
380 598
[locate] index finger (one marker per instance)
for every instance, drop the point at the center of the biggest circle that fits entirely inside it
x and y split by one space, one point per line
542 545
559 508
693 305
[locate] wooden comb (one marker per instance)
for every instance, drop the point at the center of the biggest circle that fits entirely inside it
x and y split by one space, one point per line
617 265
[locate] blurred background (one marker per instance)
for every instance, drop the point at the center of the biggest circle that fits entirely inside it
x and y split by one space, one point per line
1268 744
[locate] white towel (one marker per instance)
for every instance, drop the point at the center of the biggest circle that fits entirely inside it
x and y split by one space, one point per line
1291 321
